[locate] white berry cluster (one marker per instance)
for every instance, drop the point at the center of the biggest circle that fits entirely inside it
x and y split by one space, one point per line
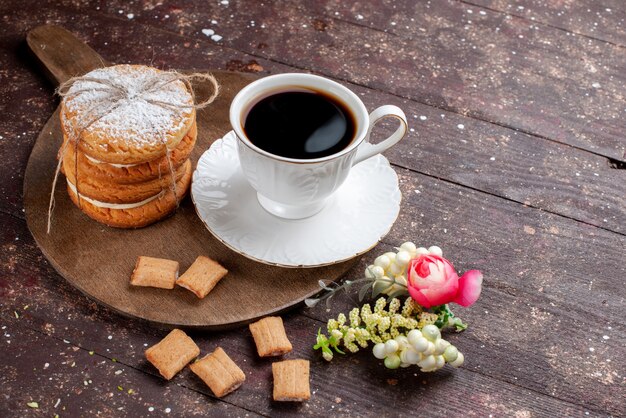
424 348
392 267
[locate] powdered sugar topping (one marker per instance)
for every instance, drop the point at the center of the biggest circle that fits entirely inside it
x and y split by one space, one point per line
136 106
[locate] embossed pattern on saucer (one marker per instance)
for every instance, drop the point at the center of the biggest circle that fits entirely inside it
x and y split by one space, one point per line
355 218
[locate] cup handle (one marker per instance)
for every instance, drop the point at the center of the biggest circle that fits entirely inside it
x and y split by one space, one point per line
375 116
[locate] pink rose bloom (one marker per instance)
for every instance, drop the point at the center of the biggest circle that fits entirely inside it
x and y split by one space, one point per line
432 281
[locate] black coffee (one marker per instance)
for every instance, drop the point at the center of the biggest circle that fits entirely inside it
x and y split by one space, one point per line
300 124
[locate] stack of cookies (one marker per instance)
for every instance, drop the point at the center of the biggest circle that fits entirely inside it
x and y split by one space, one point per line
128 133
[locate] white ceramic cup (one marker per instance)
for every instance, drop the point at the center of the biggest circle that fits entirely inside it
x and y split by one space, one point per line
298 188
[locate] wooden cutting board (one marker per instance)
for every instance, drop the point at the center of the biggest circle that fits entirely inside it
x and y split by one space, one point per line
98 260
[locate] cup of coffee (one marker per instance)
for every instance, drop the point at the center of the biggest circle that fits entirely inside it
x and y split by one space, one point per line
299 135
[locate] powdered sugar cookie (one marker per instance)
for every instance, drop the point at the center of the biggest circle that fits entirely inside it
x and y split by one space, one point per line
145 112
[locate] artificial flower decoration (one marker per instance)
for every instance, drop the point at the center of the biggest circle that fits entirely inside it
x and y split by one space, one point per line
403 333
433 281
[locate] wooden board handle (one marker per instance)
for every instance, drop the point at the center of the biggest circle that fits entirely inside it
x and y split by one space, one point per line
62 54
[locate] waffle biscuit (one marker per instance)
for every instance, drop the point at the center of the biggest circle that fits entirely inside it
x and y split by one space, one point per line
202 276
270 337
109 192
131 173
291 380
219 372
154 272
131 129
121 216
172 353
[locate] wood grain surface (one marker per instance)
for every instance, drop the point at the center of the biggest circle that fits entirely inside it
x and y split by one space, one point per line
61 54
440 61
530 191
594 19
99 260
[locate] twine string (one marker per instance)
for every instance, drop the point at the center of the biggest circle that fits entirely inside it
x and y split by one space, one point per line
51 204
114 96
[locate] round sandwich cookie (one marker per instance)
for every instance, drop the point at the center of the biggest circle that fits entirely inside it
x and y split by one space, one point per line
127 114
109 192
131 173
134 215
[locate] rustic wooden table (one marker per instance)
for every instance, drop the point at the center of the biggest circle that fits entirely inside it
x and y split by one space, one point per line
515 164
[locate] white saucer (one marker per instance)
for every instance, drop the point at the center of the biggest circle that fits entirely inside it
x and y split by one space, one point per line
355 218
